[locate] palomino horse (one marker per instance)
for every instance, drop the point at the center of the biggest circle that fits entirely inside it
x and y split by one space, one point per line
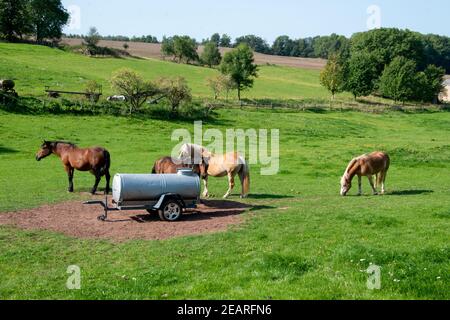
368 165
229 165
167 165
96 160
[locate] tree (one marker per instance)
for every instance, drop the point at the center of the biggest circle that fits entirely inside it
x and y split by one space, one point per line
176 91
181 48
437 50
92 39
219 84
256 43
399 79
211 55
185 48
215 84
225 41
387 44
14 18
215 38
239 65
283 46
126 46
333 77
167 47
131 85
362 74
429 84
326 46
48 17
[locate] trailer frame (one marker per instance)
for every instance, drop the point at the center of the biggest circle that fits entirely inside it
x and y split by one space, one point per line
150 206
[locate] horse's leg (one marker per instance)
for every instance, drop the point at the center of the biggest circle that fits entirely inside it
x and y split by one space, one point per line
360 192
98 177
230 185
108 179
372 185
383 182
70 173
205 192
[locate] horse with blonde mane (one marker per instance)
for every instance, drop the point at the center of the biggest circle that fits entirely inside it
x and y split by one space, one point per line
226 165
368 165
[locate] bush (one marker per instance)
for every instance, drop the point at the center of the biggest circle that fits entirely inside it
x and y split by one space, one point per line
211 55
176 91
332 77
399 80
131 85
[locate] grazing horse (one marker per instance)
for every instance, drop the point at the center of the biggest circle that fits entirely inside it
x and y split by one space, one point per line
229 165
167 165
368 165
96 160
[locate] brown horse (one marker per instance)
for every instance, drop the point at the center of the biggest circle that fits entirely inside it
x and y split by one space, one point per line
167 165
96 160
368 165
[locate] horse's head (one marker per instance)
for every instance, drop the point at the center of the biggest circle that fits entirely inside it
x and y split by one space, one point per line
346 185
203 166
45 151
194 154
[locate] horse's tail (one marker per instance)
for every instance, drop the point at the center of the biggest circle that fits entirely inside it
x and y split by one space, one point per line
244 175
107 164
382 175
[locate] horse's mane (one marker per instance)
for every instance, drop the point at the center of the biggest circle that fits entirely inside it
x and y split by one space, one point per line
350 165
63 142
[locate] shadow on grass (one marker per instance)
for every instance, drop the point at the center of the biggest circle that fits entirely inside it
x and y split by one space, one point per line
210 210
6 150
409 192
269 196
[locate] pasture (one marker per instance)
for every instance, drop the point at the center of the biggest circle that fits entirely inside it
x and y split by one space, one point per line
37 67
298 238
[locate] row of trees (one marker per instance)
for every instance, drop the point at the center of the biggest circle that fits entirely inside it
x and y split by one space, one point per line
144 39
388 62
43 19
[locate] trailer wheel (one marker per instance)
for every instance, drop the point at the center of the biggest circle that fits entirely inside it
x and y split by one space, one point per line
171 211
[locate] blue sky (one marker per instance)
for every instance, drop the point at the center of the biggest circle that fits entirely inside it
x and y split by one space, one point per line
266 18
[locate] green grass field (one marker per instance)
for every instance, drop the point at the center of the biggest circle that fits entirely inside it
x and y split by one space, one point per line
301 240
36 67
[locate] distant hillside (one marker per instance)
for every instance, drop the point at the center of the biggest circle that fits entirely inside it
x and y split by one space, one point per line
34 67
151 50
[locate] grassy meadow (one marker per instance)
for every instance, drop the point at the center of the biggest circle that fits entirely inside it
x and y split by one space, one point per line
301 240
35 67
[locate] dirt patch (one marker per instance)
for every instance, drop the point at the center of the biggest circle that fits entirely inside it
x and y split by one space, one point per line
153 50
80 221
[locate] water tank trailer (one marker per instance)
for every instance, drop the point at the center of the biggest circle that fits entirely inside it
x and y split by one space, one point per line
167 194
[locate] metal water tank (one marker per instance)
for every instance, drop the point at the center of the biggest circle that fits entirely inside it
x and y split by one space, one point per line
150 187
